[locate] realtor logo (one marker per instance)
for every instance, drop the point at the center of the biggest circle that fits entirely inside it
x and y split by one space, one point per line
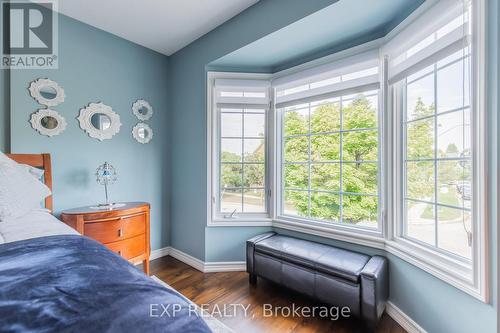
29 34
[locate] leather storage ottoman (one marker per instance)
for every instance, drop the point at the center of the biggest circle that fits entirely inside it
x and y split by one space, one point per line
331 275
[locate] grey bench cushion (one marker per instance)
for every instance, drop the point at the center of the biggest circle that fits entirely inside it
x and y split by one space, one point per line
324 258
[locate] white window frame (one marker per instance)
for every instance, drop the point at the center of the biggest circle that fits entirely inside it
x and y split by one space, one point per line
216 218
329 225
473 281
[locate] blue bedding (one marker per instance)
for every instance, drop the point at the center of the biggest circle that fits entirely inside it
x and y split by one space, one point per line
73 284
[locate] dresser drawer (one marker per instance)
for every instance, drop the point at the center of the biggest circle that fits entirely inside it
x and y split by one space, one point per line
116 229
129 248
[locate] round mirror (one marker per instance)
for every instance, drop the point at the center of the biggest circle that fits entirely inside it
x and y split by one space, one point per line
48 92
142 109
49 122
142 133
100 121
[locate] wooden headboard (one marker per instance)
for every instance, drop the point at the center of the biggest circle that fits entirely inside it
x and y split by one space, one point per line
41 161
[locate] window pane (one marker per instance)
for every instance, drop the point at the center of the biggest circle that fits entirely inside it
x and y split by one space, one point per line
360 209
420 180
231 175
360 146
420 98
452 89
325 118
420 139
360 113
325 147
230 200
325 177
325 206
254 201
297 149
421 223
454 183
359 178
453 134
296 122
253 175
231 125
255 150
296 176
452 231
296 203
254 125
231 150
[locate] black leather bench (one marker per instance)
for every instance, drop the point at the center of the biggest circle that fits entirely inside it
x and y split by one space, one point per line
334 276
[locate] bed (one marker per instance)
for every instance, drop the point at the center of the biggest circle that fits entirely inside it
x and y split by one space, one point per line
54 280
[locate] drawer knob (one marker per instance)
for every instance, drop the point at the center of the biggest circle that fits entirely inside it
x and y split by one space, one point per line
120 253
120 232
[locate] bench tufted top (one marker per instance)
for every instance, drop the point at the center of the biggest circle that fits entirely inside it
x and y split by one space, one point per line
323 258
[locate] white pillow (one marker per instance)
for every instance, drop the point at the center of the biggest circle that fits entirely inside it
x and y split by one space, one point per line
20 191
37 173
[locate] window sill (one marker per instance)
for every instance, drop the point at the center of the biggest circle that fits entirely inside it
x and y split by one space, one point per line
366 237
241 222
453 272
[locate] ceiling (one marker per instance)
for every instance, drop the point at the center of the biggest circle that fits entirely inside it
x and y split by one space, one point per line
342 25
165 26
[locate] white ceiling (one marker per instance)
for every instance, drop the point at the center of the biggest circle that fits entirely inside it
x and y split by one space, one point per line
165 26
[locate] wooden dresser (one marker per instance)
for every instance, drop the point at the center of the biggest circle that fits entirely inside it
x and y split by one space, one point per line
124 230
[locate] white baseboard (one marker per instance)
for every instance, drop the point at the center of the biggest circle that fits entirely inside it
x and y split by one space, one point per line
228 266
205 267
238 266
403 319
163 252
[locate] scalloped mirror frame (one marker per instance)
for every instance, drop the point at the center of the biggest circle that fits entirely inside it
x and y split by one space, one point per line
135 133
36 122
138 105
85 117
36 86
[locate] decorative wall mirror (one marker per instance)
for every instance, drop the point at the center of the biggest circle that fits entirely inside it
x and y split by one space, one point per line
99 121
48 122
142 109
47 92
142 133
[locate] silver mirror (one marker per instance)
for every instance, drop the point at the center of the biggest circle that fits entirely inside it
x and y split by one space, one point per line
142 109
99 121
47 92
142 133
48 122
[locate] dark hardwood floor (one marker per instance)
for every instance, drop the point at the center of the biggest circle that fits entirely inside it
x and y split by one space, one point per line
217 289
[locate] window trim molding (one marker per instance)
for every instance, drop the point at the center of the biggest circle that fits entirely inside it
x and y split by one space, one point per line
432 262
249 219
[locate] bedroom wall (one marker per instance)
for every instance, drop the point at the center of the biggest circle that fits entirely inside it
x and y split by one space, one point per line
422 296
187 113
97 66
4 110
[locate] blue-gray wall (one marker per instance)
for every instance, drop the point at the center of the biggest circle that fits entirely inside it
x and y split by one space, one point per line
187 111
4 113
435 305
97 66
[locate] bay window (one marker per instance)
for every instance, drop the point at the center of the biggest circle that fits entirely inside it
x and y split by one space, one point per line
383 147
